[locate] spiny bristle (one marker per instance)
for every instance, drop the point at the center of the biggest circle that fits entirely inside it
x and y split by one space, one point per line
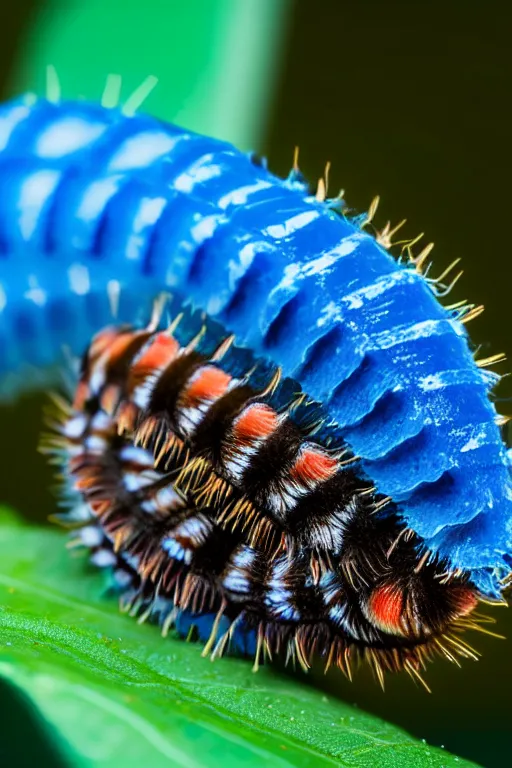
472 314
53 92
111 93
372 210
139 96
384 237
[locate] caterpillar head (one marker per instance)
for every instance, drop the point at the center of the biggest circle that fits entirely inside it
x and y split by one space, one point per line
408 604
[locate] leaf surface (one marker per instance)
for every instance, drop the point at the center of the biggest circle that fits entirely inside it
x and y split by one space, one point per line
115 693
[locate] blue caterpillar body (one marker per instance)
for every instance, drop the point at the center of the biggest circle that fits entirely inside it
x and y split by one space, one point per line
90 198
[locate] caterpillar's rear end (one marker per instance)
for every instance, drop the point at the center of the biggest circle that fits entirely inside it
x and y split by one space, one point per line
312 465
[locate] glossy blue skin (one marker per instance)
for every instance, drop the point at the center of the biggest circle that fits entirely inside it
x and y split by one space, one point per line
87 191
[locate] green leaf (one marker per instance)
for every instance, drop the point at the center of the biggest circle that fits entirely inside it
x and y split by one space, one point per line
115 693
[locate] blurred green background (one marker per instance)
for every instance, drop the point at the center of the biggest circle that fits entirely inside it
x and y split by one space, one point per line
408 100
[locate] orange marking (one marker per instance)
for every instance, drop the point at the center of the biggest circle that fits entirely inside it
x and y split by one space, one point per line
85 483
119 345
102 342
386 605
159 354
108 347
81 396
313 465
186 542
99 508
464 599
110 398
209 383
256 421
126 417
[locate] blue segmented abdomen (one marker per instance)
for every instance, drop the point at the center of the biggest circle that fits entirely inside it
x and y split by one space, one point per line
89 196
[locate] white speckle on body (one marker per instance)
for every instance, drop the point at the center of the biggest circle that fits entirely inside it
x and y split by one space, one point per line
79 281
241 195
202 171
91 535
290 226
431 382
137 455
330 312
9 122
403 334
142 150
35 293
103 558
66 136
205 228
34 192
471 445
374 290
96 196
147 214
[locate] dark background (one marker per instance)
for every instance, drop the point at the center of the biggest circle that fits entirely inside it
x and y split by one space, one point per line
411 101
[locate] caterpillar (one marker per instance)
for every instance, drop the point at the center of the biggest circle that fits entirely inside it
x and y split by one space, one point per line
100 206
